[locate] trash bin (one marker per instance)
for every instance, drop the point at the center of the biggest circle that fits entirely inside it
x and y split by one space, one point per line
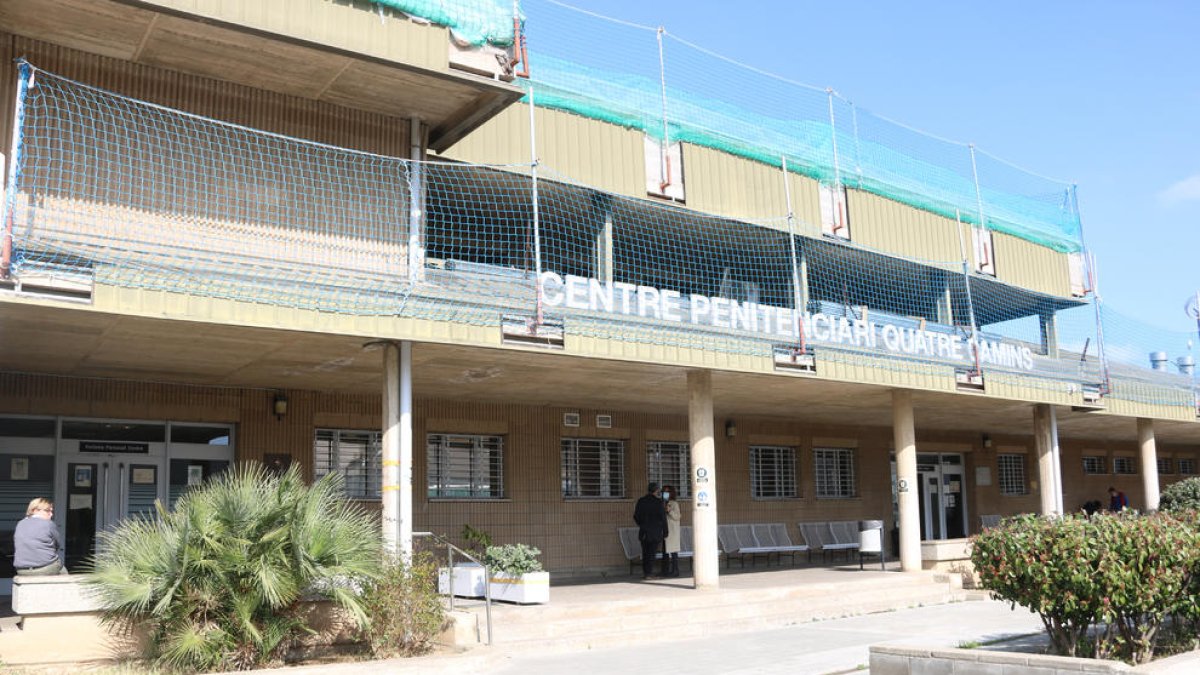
870 541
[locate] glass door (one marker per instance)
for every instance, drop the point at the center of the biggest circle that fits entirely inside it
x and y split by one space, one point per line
940 486
101 492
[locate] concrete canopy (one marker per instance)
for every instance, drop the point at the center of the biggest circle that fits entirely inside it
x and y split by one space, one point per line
234 48
42 338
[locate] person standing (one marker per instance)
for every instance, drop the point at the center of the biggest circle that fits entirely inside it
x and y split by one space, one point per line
670 561
1117 501
651 519
36 549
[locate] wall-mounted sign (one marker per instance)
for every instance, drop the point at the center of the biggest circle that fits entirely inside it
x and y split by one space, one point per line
19 468
701 474
143 475
195 474
83 476
617 297
114 446
702 500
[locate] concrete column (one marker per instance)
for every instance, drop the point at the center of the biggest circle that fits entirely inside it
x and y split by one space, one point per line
705 564
905 439
397 448
1045 438
1149 451
602 238
945 303
416 203
1049 329
805 295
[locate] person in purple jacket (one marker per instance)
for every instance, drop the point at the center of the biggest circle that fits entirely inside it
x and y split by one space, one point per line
37 551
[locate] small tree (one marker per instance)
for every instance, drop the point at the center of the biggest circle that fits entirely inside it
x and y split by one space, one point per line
219 580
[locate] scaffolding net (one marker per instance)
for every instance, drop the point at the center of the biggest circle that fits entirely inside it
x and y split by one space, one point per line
106 189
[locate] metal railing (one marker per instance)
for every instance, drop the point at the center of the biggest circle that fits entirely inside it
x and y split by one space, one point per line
487 576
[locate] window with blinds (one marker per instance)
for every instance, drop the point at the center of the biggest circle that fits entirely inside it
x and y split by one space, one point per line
670 463
1165 466
833 471
772 472
356 455
465 466
593 468
1187 467
1012 474
1094 464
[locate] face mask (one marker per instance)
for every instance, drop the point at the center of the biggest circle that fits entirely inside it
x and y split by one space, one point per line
666 496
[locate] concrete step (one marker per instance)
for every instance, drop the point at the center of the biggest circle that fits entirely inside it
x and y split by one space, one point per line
696 614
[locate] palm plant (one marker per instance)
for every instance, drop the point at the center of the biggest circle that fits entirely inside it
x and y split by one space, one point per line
219 580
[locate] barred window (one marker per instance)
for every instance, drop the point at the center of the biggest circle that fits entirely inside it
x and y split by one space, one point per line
772 471
833 469
1012 474
593 467
465 466
1124 465
1165 466
670 463
1093 464
356 455
1187 467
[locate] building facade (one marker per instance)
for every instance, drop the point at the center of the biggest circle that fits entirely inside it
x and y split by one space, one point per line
314 235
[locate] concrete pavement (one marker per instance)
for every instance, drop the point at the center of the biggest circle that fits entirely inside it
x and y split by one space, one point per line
832 646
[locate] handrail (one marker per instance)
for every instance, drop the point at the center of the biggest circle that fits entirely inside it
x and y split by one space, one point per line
487 576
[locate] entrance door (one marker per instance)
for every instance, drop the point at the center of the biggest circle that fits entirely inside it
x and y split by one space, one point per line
940 489
101 492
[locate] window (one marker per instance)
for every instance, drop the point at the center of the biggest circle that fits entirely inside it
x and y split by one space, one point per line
1094 464
1011 469
1165 466
835 218
985 251
659 165
593 467
772 471
1124 465
670 463
355 455
465 466
833 469
1187 467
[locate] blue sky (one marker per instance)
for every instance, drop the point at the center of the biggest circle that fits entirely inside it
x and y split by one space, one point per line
1103 94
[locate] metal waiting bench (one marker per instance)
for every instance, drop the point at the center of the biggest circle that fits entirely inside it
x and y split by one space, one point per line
831 537
758 539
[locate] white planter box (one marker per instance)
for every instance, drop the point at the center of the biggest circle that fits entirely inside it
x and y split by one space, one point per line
525 589
468 580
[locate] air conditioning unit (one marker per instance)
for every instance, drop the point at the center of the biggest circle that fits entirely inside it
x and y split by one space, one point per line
603 421
571 419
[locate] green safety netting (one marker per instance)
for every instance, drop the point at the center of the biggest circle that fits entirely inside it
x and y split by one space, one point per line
475 22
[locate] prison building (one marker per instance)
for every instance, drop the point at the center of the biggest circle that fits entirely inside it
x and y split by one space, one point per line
325 234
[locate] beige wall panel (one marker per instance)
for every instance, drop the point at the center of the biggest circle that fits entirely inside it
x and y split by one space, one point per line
1183 411
594 153
1028 265
269 111
1021 388
869 370
356 26
895 228
735 187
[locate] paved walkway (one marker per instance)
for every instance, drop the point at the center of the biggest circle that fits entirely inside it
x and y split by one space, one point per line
834 646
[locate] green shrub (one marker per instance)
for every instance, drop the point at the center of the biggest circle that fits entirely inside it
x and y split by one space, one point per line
405 609
1181 496
1128 574
1039 563
219 580
512 559
477 541
1144 571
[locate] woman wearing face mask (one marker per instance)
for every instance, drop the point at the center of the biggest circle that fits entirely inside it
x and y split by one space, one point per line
670 559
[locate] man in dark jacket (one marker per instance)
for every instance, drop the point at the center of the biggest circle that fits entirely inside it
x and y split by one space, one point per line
651 518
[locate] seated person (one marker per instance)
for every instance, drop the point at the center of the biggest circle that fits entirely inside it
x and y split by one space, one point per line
36 550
